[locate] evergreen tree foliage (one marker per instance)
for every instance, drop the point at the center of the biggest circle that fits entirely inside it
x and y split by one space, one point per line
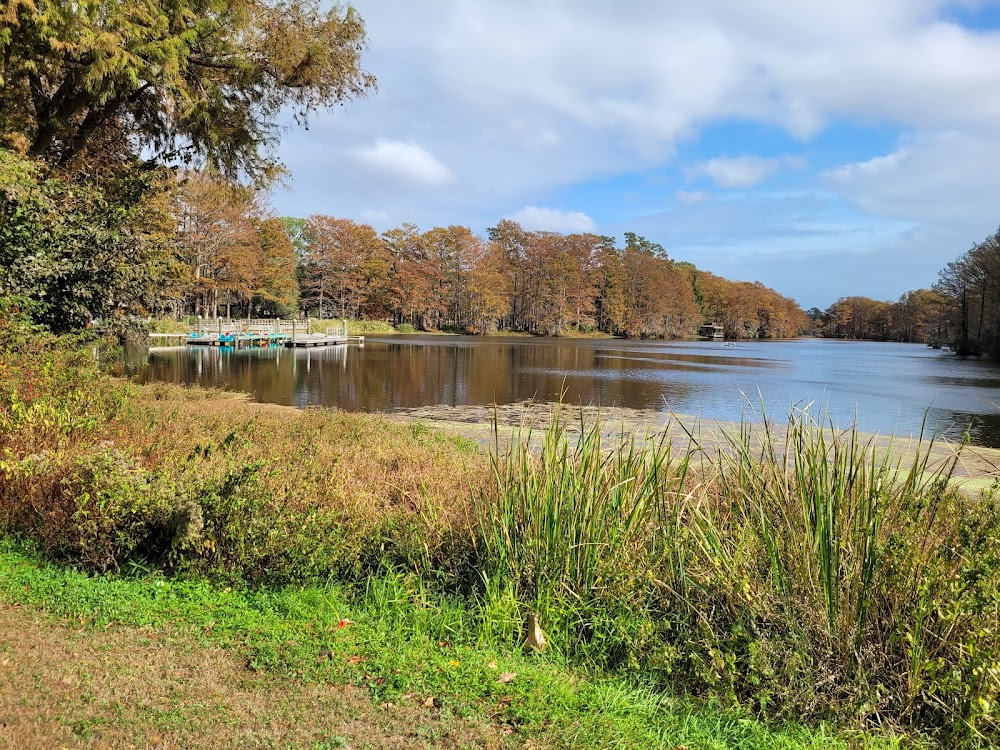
203 79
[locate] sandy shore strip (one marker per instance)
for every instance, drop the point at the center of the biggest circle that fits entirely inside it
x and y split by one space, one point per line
977 467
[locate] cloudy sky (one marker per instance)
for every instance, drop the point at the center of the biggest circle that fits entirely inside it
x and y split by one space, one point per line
823 148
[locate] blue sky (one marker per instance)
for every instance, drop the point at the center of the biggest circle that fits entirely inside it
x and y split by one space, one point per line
825 149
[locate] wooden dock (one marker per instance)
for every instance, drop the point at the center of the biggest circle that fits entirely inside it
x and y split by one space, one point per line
258 333
316 339
236 340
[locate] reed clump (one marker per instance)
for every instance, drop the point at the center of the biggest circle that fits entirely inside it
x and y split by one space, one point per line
798 569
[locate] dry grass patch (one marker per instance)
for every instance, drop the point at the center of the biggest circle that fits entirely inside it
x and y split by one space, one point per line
184 477
358 461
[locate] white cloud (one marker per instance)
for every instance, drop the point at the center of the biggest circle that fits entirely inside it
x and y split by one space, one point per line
736 172
404 160
517 97
543 93
518 103
743 171
554 220
944 178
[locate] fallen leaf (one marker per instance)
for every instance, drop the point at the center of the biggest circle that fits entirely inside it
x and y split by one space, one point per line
429 703
357 659
507 677
491 665
344 623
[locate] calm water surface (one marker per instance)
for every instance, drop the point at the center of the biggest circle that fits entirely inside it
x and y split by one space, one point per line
889 386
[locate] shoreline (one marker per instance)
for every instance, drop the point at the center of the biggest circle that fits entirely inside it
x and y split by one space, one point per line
978 467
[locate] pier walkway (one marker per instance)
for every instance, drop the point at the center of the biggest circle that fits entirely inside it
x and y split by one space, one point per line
259 332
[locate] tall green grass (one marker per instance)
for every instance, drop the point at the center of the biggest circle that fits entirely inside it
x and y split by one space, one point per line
566 518
819 499
798 568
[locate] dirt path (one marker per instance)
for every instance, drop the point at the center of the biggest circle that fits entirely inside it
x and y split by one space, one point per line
66 687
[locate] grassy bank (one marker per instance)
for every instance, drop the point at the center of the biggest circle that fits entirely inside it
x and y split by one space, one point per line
805 575
362 328
354 327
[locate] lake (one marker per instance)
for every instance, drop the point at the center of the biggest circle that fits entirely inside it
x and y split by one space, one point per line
889 386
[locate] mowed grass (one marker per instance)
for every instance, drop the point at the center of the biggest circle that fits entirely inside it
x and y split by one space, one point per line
149 660
354 327
66 685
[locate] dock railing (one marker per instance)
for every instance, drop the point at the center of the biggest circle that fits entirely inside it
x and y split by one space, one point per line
259 326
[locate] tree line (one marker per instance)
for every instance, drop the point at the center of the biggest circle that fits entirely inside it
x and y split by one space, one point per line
961 311
971 286
918 316
527 281
234 258
125 135
125 132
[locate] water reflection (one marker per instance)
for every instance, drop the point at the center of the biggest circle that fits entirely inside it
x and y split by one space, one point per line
888 386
